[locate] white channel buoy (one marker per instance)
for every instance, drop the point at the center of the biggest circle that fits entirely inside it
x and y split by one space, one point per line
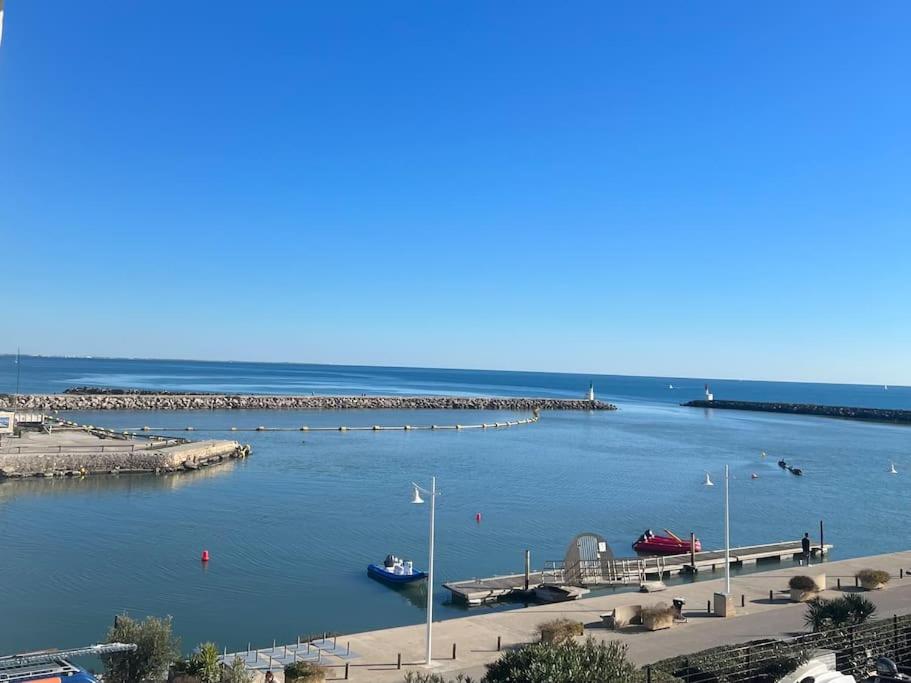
708 480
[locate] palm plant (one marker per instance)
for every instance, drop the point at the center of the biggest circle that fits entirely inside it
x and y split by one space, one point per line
861 608
838 613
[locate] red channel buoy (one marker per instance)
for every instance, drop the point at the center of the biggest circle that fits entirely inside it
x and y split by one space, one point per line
205 555
477 518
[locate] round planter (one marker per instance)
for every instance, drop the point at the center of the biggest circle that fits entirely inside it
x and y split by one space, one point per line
800 595
871 585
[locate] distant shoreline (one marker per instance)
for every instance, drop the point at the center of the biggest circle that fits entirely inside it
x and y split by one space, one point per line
891 415
143 400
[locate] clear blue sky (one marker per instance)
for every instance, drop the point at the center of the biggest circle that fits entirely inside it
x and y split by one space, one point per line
710 189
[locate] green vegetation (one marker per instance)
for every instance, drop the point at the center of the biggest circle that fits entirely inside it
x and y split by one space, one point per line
424 677
157 648
658 616
566 662
873 578
304 672
558 630
236 673
802 583
844 611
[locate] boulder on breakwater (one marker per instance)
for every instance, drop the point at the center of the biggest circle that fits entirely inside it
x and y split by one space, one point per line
846 412
176 401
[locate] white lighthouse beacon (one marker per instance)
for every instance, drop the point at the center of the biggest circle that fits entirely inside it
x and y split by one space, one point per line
591 392
709 396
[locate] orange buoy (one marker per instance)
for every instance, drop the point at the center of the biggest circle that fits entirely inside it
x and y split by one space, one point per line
205 555
477 518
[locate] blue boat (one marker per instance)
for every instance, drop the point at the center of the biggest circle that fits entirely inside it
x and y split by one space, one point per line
394 570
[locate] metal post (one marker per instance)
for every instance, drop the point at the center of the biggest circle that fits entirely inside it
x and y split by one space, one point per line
727 537
453 651
822 544
527 568
499 643
348 649
347 664
433 500
399 663
692 553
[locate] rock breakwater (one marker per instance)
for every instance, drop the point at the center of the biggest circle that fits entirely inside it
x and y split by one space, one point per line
846 412
144 401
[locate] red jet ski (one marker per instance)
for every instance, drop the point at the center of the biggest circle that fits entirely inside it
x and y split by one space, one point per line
671 544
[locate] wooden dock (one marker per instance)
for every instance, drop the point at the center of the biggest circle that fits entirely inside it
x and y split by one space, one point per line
620 571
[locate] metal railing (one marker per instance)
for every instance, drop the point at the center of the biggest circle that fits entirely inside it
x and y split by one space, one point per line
602 572
855 649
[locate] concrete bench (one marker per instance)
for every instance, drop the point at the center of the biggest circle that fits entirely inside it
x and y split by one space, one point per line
624 615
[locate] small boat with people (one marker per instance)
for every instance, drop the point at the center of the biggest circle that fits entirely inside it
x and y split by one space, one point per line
782 464
795 470
395 570
652 544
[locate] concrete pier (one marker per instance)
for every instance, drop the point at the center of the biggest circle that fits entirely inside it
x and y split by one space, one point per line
80 451
375 655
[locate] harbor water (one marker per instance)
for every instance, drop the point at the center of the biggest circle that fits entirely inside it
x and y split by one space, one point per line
291 530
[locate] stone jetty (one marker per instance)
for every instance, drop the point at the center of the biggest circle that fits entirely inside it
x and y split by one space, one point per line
109 400
846 412
60 448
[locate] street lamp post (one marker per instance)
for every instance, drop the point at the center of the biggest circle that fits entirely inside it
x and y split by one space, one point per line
727 537
418 500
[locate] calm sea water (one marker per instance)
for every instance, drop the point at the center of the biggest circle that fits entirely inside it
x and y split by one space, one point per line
292 529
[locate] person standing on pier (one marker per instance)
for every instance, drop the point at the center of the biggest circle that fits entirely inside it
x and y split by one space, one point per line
805 546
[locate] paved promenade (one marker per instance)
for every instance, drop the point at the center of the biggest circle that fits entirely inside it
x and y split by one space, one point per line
476 636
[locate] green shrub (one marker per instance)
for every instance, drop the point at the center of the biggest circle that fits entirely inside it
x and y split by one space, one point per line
204 664
304 672
426 677
558 630
802 583
156 648
873 576
566 662
236 672
838 613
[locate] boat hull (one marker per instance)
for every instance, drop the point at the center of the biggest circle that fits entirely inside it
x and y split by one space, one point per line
662 545
379 572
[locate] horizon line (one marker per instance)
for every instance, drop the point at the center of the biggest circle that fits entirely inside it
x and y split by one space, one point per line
420 367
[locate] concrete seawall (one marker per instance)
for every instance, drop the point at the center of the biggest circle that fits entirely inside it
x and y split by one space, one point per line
48 402
83 461
849 413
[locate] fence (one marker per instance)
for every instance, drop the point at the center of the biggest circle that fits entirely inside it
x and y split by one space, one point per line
855 648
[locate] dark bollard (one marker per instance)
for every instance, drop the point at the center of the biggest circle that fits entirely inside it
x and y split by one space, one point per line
348 649
399 663
770 595
453 651
708 606
839 583
499 642
855 582
743 600
347 664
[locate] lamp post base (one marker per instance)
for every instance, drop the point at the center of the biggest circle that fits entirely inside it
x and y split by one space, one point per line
724 605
